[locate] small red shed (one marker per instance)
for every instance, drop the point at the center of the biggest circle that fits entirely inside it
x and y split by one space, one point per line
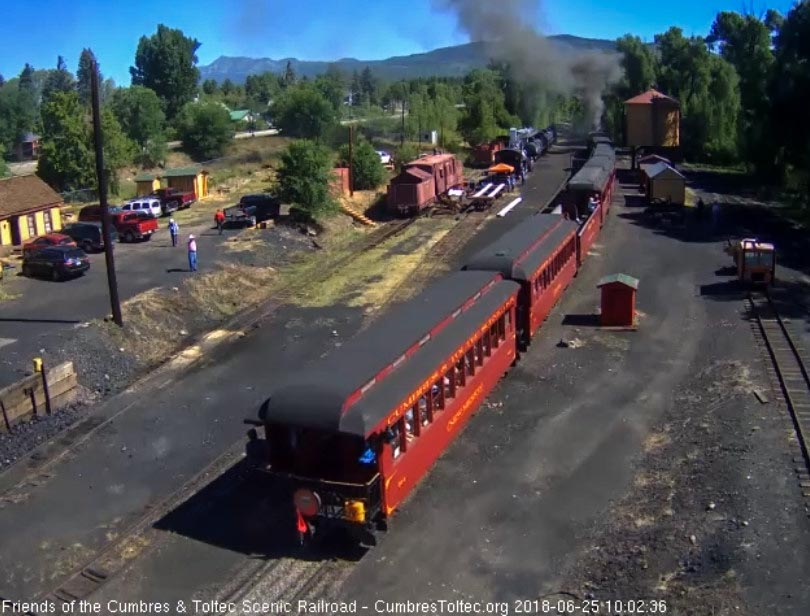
618 300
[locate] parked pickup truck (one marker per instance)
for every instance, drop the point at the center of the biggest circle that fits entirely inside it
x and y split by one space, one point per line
133 226
172 199
252 209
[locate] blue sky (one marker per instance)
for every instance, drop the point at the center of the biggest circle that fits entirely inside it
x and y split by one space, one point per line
37 31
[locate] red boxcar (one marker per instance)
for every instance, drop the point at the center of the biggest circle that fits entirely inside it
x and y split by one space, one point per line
484 154
540 255
356 431
424 179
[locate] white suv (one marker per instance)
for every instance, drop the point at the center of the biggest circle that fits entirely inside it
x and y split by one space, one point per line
149 206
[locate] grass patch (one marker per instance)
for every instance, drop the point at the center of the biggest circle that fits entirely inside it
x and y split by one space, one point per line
370 279
158 320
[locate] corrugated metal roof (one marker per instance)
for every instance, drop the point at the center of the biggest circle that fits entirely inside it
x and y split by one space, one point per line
25 193
659 168
316 396
622 278
646 98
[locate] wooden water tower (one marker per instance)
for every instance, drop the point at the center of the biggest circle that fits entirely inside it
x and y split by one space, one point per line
653 122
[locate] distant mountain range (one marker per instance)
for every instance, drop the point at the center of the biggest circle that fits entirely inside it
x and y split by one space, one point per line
444 62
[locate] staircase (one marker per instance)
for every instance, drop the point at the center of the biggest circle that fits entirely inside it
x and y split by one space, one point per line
357 215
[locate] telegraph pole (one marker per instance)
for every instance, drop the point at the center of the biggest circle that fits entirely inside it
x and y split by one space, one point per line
351 160
106 222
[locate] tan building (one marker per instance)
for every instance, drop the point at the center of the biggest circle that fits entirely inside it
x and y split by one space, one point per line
665 184
652 119
28 208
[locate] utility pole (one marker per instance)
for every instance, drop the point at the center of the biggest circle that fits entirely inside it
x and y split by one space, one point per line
351 160
106 223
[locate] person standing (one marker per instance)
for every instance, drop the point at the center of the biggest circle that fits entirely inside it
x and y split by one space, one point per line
174 231
192 253
219 218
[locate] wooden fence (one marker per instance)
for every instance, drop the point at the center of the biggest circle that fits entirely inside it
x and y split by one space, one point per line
26 398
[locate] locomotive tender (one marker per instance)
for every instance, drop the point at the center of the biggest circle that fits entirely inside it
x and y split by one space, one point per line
354 433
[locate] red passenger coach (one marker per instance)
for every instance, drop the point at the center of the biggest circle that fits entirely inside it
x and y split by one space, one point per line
355 432
594 180
539 254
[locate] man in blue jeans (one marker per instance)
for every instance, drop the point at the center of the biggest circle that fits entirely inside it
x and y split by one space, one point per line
192 253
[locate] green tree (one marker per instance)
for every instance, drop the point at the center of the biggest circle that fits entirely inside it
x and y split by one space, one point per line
367 170
84 74
227 87
790 91
209 87
205 130
369 87
58 80
66 160
26 83
695 76
304 178
485 110
261 89
289 75
639 63
4 170
119 150
166 63
356 89
17 116
142 119
332 85
302 111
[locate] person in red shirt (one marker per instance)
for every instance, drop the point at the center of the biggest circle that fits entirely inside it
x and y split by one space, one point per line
219 218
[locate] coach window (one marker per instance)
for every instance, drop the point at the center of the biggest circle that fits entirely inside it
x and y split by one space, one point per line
502 327
479 352
509 320
426 409
450 377
411 425
437 392
396 439
461 377
470 361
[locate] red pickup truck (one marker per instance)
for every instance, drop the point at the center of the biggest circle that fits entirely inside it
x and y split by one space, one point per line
172 199
133 226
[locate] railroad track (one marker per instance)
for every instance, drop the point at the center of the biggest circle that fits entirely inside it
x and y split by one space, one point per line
792 376
140 535
435 261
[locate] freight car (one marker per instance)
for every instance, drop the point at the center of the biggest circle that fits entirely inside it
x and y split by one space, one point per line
422 181
355 432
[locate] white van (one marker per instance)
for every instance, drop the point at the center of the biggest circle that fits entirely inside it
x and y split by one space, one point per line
145 204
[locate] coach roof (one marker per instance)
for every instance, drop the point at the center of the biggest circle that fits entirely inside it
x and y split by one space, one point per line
319 395
520 251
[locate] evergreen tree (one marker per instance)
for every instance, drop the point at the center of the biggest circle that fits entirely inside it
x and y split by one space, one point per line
166 63
84 74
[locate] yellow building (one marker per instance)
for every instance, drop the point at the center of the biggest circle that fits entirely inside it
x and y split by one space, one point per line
652 120
188 179
146 184
28 208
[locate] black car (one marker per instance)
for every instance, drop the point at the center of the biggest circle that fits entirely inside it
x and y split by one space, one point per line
88 235
56 262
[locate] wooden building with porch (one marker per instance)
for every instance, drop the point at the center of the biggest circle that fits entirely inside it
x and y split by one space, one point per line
28 208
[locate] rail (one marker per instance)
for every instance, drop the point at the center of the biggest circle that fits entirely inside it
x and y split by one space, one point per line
790 369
